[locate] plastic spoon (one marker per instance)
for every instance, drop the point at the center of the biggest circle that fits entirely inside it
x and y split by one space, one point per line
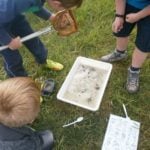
78 120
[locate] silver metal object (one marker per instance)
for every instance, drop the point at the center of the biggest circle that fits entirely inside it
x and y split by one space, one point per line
78 120
31 36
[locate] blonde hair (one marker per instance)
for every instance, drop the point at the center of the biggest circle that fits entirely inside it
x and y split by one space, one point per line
19 101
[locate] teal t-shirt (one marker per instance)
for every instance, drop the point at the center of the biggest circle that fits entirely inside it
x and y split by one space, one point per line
36 7
139 3
33 9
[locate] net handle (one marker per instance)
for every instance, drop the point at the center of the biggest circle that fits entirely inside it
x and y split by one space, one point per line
31 36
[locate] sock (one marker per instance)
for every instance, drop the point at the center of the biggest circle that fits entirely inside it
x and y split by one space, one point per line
134 68
121 52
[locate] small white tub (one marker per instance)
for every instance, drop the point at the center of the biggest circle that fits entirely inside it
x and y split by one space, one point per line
85 84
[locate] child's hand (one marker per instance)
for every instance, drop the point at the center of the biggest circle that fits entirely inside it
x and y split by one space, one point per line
52 17
117 24
133 17
15 43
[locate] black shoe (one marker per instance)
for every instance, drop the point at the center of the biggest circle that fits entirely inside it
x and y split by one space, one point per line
47 87
47 139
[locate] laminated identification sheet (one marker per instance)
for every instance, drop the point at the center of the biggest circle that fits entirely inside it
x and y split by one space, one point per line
121 134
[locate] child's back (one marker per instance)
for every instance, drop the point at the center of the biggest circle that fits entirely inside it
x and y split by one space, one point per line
19 106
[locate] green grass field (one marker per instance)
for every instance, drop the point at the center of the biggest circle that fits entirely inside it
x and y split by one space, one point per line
94 39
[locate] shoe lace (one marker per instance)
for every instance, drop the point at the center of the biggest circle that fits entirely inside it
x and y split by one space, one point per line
133 79
114 54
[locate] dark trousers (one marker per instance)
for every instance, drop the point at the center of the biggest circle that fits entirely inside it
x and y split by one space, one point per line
142 41
12 59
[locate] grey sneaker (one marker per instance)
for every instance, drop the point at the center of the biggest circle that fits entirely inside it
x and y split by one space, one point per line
114 56
132 84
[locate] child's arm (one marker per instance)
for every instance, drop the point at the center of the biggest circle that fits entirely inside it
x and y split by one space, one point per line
6 39
119 16
120 7
43 13
134 17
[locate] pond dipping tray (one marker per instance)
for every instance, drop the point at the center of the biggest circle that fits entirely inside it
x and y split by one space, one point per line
85 84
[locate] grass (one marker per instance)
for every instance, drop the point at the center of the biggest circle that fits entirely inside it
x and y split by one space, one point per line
93 40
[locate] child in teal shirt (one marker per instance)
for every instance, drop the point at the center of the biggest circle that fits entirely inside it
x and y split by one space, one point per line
128 14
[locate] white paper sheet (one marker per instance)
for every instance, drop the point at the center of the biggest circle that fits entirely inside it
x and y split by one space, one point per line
121 134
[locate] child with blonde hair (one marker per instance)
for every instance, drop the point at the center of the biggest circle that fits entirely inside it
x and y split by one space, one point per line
19 106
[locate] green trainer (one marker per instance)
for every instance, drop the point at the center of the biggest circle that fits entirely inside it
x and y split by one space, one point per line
54 65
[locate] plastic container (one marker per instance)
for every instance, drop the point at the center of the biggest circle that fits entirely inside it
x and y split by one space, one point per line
85 84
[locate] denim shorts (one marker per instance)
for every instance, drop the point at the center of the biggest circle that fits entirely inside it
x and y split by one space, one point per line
142 40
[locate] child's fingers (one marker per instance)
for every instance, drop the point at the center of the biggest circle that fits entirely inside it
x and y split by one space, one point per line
127 18
115 29
15 43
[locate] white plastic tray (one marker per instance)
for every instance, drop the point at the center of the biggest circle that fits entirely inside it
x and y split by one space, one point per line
85 84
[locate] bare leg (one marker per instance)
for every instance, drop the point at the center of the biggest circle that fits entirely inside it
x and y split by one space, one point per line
121 43
138 58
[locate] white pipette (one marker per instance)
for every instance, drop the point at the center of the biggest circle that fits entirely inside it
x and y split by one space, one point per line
78 120
125 111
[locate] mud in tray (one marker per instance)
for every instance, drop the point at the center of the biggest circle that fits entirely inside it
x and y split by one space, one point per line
85 84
